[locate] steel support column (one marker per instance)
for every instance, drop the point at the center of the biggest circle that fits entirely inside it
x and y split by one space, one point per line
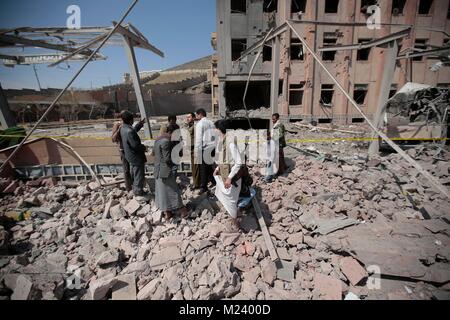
385 87
275 79
137 85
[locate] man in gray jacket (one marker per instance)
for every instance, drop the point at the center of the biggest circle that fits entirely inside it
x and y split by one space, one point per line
134 152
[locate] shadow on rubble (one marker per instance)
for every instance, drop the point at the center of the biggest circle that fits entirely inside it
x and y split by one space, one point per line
249 221
8 245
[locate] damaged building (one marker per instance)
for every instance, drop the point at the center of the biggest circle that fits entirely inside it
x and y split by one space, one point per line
341 223
286 78
181 89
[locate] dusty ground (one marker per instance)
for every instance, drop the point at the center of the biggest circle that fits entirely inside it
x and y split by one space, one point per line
343 226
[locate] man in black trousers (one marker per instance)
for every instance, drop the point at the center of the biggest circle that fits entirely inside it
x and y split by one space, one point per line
134 152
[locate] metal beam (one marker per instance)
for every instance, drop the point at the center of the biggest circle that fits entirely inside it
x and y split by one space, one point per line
137 41
129 49
8 39
424 53
275 79
369 44
433 181
269 36
80 49
11 61
50 108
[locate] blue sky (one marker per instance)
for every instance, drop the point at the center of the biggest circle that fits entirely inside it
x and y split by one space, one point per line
180 28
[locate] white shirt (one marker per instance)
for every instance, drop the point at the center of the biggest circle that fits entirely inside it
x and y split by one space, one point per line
270 151
204 133
237 160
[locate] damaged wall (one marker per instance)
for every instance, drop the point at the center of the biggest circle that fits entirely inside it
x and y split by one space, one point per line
353 68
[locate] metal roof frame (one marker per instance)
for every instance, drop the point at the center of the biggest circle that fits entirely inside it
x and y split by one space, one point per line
70 44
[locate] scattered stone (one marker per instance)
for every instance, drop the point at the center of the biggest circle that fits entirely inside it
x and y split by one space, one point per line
228 239
83 213
352 270
268 271
159 259
132 207
22 288
286 271
147 291
107 258
125 288
328 288
99 289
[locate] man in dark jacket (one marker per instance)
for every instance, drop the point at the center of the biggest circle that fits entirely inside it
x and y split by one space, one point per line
134 152
116 138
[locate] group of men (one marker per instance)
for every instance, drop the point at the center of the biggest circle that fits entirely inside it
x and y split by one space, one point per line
202 144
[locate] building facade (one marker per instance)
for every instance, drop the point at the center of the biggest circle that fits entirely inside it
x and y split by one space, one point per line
305 92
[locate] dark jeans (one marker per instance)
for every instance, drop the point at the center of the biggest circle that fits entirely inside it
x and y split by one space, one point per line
138 174
282 167
206 170
126 172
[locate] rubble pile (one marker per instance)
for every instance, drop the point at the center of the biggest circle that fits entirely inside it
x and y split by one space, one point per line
337 226
262 112
428 104
335 220
325 140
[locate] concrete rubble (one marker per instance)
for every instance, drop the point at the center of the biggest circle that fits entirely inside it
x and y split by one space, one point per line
340 222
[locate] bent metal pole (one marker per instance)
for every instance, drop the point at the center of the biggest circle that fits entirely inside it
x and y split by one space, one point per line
113 30
433 181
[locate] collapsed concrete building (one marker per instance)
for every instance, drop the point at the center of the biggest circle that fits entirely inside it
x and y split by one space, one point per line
286 78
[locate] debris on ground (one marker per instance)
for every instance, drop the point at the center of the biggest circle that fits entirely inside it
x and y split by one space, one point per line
343 227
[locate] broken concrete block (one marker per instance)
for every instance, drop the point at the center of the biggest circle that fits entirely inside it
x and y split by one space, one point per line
23 288
99 289
11 187
327 287
132 207
116 212
147 291
125 288
268 271
144 211
83 213
39 191
156 217
229 238
249 290
33 201
161 293
49 182
107 258
252 275
137 267
58 261
93 186
127 248
284 254
108 206
159 259
295 239
352 270
286 271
